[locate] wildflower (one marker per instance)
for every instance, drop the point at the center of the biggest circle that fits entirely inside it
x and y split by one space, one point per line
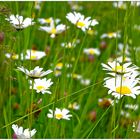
74 75
92 115
125 113
2 36
75 6
26 134
85 82
18 22
70 45
131 106
91 51
35 73
48 20
41 85
38 5
59 114
34 55
57 73
111 35
120 86
136 126
74 106
60 65
80 21
53 29
120 4
116 67
13 56
105 102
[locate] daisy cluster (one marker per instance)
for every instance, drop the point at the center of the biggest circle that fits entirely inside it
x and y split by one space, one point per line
122 75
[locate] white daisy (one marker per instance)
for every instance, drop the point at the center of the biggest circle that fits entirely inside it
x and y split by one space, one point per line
136 126
13 56
91 51
120 4
111 35
74 106
131 106
116 67
26 134
34 55
85 82
59 114
80 21
48 20
120 86
70 45
18 22
35 73
53 29
41 85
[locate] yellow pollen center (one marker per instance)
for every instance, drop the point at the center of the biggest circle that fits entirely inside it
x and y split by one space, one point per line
33 57
53 31
90 32
59 65
91 52
48 20
110 34
59 116
123 90
80 24
14 56
40 87
118 69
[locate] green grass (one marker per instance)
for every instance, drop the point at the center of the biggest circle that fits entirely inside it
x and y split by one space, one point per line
16 97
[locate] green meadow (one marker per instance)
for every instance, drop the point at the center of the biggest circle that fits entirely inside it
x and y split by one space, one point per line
77 75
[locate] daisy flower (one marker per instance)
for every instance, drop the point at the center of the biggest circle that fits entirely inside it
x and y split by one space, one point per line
85 82
75 6
136 126
121 86
53 29
59 114
116 67
34 55
91 51
74 106
111 35
80 21
13 56
38 5
48 20
70 45
35 73
74 76
18 22
131 106
120 4
41 85
20 134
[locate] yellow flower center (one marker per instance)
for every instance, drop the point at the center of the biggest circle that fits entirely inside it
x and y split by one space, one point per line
91 52
33 57
59 65
48 20
14 56
118 69
123 90
90 32
40 88
58 116
53 31
80 24
110 34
